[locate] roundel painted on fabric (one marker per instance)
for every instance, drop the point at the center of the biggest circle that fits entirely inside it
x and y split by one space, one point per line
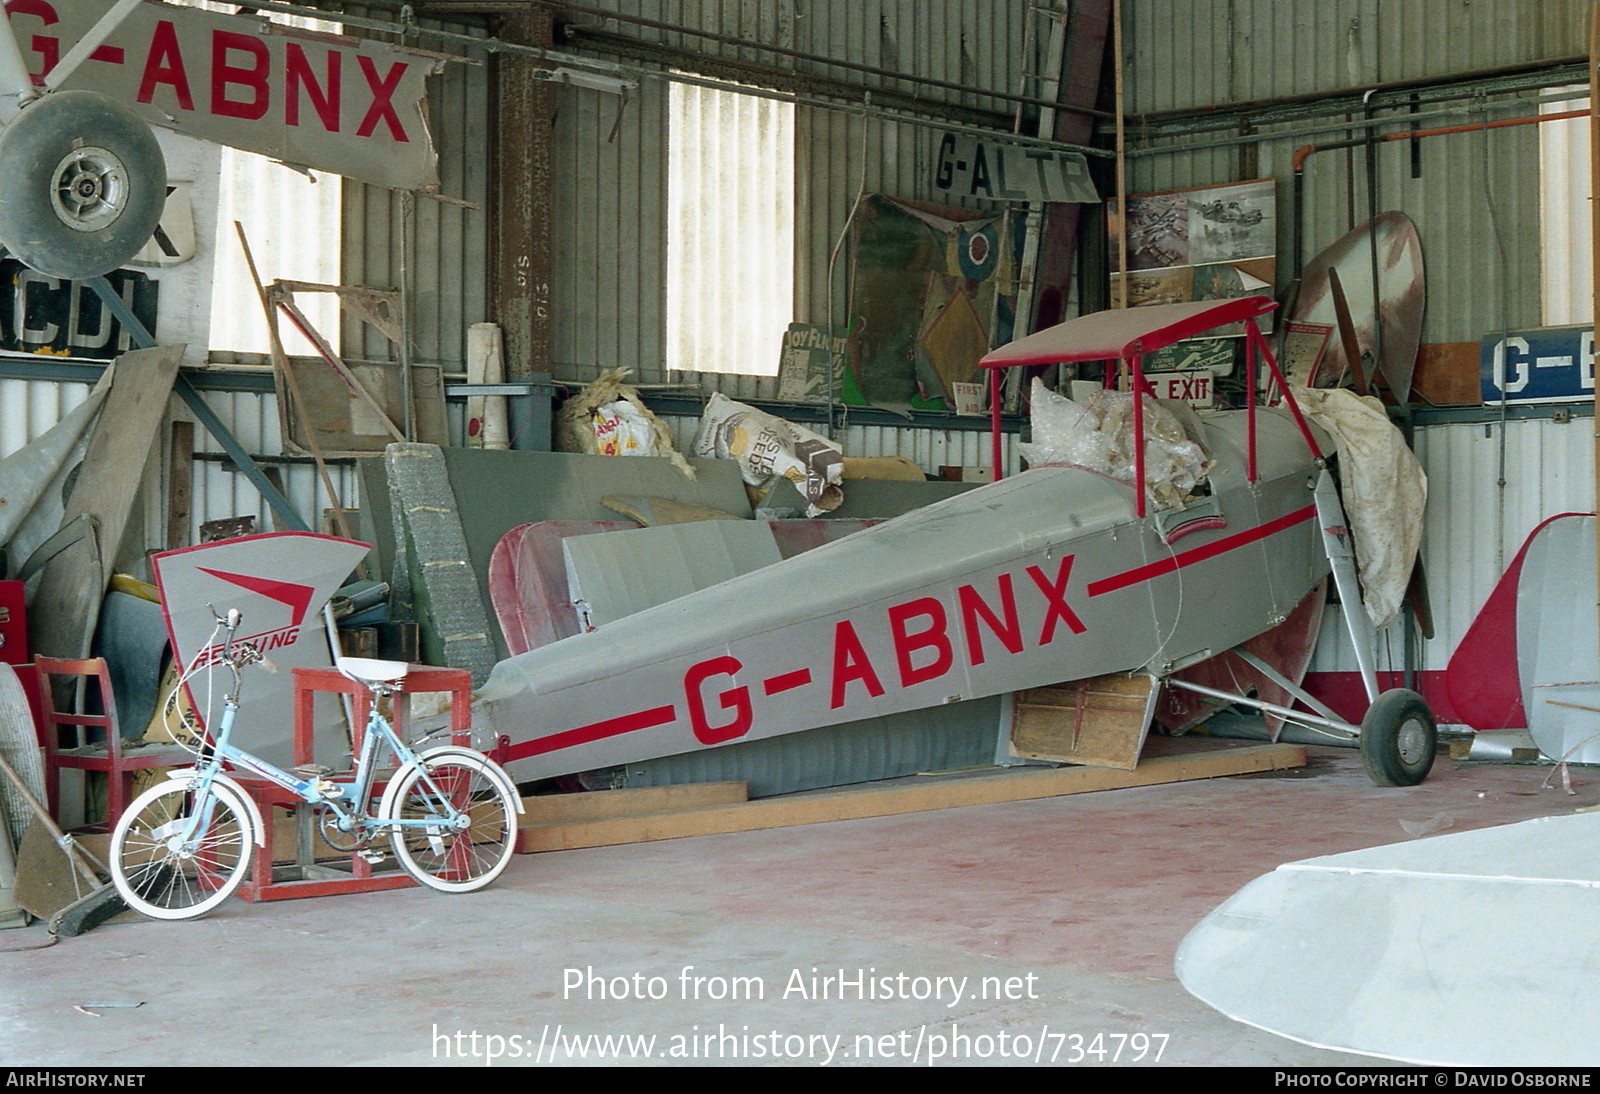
978 253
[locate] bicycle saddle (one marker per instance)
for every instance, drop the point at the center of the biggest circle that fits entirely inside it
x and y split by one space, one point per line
369 671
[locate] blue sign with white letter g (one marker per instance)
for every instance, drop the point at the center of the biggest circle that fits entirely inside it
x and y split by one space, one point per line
1545 365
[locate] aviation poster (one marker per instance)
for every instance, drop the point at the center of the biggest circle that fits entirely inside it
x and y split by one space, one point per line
1204 243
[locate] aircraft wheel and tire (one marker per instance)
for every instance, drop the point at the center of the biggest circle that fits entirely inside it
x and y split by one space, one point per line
1398 739
83 183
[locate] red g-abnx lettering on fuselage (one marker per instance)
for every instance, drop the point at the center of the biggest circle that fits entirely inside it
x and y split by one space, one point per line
1048 576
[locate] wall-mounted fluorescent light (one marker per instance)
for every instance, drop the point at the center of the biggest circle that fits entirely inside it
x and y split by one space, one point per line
592 80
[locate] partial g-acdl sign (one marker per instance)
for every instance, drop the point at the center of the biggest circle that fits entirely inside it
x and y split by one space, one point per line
347 105
1544 365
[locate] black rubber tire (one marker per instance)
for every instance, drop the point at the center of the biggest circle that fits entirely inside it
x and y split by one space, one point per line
1398 739
82 185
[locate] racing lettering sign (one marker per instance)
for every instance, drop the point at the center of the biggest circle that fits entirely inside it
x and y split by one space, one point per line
347 105
279 581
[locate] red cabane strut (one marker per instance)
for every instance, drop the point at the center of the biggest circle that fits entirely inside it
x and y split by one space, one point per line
1127 334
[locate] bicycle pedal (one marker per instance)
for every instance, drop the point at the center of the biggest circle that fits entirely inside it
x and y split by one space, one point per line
372 857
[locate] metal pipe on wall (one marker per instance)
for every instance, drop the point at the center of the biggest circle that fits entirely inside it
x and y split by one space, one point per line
1305 152
780 51
1594 243
1122 162
1257 137
1223 111
927 119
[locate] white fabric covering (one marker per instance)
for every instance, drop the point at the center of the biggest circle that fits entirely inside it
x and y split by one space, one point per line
1383 489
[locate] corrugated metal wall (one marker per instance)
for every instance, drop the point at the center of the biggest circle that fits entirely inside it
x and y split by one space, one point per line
219 491
1206 52
1458 189
609 242
446 253
1475 523
30 407
610 169
610 180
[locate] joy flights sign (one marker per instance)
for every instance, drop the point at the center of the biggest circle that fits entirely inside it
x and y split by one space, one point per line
323 101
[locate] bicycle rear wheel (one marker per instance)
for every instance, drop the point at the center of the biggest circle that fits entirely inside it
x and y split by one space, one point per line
164 876
453 856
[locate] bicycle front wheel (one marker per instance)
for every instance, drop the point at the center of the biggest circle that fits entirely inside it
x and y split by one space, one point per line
463 817
177 853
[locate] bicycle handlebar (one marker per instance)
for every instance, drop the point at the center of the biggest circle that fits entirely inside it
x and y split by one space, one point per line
236 655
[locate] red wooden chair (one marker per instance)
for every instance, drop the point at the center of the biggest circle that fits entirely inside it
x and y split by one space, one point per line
70 740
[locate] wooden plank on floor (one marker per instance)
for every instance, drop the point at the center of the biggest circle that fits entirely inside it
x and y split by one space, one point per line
912 795
601 804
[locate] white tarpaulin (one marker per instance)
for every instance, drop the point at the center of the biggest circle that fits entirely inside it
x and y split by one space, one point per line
1383 489
1097 433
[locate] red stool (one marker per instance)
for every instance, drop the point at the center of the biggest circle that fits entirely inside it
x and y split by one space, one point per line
305 877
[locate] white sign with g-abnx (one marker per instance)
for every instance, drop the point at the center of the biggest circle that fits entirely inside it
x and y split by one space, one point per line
349 105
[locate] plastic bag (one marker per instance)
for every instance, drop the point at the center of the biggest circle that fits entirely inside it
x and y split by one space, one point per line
1097 434
621 430
767 447
607 418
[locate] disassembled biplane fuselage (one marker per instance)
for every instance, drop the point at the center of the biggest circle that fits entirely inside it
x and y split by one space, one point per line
1056 574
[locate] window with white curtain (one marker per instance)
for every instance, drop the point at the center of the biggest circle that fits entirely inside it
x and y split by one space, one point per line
1567 274
291 219
292 223
730 230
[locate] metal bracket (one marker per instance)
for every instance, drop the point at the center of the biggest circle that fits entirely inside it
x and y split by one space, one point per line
1288 714
1286 684
1342 556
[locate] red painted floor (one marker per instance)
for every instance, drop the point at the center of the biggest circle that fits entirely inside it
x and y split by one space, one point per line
1082 899
1111 881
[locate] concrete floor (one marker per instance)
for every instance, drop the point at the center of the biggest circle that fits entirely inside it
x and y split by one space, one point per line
1074 906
